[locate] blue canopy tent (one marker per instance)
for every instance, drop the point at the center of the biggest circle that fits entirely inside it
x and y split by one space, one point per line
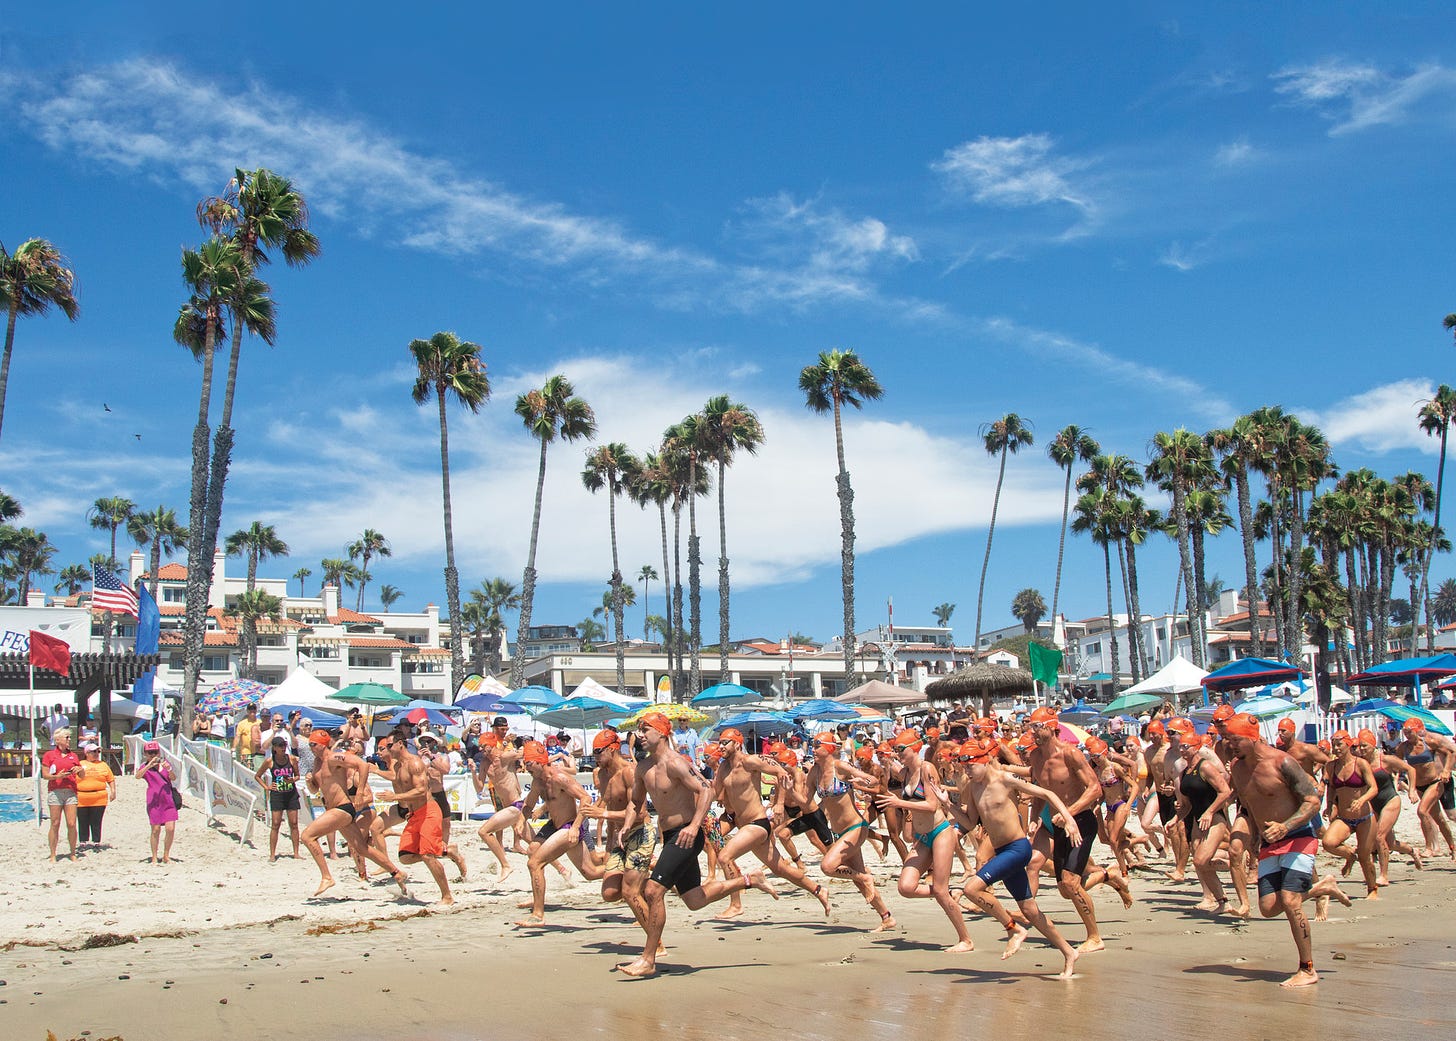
1243 673
320 719
758 725
1406 672
823 709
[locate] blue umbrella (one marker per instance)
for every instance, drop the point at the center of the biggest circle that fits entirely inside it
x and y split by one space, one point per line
758 723
823 708
1250 672
1399 713
726 694
485 703
1267 707
1080 714
434 706
580 713
1406 672
422 715
534 698
1369 705
317 716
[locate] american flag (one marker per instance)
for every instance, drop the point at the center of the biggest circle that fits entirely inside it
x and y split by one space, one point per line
109 593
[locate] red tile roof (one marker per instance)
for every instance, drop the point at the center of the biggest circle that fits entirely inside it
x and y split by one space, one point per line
380 642
169 572
209 639
425 652
348 617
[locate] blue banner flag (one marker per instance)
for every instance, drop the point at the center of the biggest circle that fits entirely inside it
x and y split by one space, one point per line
149 631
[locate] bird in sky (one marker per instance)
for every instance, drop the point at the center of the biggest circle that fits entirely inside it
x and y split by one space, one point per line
106 406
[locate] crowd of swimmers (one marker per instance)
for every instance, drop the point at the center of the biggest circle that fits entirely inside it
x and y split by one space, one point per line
1007 805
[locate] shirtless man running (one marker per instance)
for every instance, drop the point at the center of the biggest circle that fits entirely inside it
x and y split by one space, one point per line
1281 799
682 800
424 838
564 831
498 764
987 797
629 856
330 778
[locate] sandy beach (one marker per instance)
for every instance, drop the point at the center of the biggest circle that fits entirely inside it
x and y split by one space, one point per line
228 945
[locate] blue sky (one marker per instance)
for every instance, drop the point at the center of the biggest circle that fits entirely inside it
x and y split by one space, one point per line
1132 219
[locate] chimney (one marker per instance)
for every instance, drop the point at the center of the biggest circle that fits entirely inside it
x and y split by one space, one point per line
331 600
35 598
135 565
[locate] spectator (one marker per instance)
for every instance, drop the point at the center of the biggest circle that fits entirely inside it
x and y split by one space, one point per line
688 741
57 720
95 790
202 727
246 744
60 766
275 729
161 798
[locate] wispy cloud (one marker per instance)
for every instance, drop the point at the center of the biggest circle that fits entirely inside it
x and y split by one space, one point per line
1357 96
159 121
1014 172
1185 256
1235 154
1379 420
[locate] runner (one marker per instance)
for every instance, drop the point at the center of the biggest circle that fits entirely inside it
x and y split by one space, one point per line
497 771
1151 815
565 830
1387 801
438 765
423 840
1241 840
987 799
330 779
1203 794
936 837
1166 765
834 782
1351 788
1311 759
682 800
1281 799
1119 791
1061 768
1431 759
629 855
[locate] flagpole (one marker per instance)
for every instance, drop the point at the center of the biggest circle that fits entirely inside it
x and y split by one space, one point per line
33 757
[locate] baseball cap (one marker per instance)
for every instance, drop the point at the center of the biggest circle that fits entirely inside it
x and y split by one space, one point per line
499 721
151 746
90 746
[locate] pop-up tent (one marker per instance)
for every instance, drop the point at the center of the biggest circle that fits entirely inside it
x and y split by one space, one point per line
1179 676
301 688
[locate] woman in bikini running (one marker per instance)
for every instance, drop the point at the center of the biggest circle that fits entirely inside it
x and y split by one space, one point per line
1350 791
1386 804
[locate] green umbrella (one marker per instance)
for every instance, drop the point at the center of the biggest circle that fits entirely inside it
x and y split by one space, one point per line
370 694
1132 703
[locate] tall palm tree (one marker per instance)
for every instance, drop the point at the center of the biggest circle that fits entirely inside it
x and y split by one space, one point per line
108 514
161 530
1435 419
1444 602
215 276
389 596
728 428
255 543
450 367
494 596
609 466
33 279
72 578
250 608
33 553
1177 463
838 379
301 574
942 614
1092 516
332 571
1120 478
1028 606
554 411
653 484
1239 448
589 631
1001 438
370 544
1071 445
646 576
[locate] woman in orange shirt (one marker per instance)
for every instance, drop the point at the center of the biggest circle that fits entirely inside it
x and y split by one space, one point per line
95 790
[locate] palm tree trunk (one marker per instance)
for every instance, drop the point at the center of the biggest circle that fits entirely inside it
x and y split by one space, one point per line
1296 546
695 587
679 688
846 549
452 577
666 590
1251 566
1185 565
986 561
723 674
617 588
1061 549
1426 557
1111 623
5 359
199 577
364 570
528 582
1144 662
1132 621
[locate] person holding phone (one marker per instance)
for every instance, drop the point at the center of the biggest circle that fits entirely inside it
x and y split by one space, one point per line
161 799
60 766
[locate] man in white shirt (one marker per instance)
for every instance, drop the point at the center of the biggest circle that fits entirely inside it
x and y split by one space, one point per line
688 742
57 720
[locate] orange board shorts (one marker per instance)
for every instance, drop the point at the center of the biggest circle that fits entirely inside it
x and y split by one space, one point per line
424 833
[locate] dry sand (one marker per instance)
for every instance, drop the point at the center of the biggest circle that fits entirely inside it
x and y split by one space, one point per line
228 947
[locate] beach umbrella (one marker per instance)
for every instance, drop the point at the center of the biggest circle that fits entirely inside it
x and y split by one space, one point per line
231 696
478 684
1368 706
1131 702
1406 672
370 694
1079 713
1249 672
534 698
484 703
1266 707
880 694
579 714
981 680
419 714
758 724
825 709
1399 713
318 717
1071 733
676 712
724 694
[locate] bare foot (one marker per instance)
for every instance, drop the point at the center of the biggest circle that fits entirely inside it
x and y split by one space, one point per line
1242 911
532 921
402 880
961 948
1321 909
525 904
1349 866
1068 968
324 886
1091 945
1329 886
505 873
1176 876
443 902
1302 978
1206 904
1420 860
821 894
1118 881
1014 939
757 881
639 969
731 911
887 922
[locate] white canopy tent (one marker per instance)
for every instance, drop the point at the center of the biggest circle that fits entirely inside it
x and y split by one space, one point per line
590 688
305 689
1179 676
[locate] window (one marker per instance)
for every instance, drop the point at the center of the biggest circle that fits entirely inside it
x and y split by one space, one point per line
372 661
273 640
419 667
317 653
174 594
1092 648
214 663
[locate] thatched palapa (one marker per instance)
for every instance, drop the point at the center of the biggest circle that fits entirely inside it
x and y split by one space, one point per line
981 680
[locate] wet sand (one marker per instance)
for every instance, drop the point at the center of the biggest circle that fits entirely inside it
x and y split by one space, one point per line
1387 970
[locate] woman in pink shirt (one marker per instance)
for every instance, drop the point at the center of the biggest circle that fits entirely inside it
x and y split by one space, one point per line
60 766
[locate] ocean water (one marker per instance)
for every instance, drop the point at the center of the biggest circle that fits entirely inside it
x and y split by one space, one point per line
16 808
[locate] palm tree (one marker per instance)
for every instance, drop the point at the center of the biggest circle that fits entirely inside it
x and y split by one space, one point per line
250 608
1177 463
609 466
629 599
490 599
256 542
1444 602
552 412
1001 438
450 366
1093 516
389 596
369 544
684 441
214 274
10 508
109 514
161 530
656 623
332 571
33 279
1029 607
647 575
1435 419
942 614
72 578
1132 520
589 630
301 574
653 483
837 379
1241 448
1071 445
727 427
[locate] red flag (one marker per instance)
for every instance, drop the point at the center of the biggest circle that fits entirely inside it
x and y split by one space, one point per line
50 653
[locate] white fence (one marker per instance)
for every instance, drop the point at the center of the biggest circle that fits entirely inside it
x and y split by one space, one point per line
1327 725
218 794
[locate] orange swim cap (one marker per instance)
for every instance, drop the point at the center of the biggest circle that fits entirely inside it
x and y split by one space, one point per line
866 752
1096 746
786 757
732 734
1286 726
1156 727
1324 745
977 750
320 738
1223 712
1413 724
1045 715
933 733
1367 737
986 723
534 752
828 744
1342 735
606 739
1243 725
657 721
712 752
907 739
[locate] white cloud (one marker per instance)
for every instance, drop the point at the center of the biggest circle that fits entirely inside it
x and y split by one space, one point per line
1381 419
1176 256
1234 154
1359 96
1013 172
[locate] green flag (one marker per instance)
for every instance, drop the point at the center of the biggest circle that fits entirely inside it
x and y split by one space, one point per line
1045 661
